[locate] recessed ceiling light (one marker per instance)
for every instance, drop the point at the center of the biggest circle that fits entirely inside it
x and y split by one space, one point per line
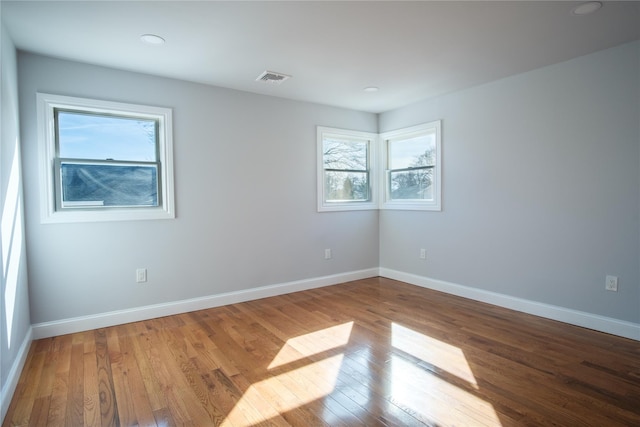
152 39
586 8
371 89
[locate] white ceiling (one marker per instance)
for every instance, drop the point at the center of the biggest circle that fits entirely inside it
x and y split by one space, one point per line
333 49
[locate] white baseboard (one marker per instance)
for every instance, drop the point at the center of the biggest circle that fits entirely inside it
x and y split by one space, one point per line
103 320
561 314
13 376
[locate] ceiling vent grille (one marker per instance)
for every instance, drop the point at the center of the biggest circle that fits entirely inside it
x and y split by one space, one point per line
271 77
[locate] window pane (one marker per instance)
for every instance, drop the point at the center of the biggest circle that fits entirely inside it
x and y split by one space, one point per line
92 136
346 186
345 154
414 184
415 151
109 185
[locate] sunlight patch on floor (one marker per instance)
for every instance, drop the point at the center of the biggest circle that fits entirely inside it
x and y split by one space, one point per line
313 343
281 393
432 351
425 393
296 387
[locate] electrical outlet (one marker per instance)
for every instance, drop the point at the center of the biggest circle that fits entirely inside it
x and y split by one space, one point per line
611 283
141 275
327 254
423 253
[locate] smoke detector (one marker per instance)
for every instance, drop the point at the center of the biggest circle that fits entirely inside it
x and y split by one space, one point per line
271 77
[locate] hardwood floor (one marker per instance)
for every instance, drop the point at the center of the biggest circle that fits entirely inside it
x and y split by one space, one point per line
373 352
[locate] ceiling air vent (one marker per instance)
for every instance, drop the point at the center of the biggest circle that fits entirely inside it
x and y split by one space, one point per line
272 77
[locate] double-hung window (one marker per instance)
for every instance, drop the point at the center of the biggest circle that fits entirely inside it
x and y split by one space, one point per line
104 160
411 159
345 170
403 173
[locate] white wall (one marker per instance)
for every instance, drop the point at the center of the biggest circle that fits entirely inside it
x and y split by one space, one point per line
245 200
540 187
15 322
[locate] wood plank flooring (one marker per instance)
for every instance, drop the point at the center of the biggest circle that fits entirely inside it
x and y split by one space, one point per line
373 352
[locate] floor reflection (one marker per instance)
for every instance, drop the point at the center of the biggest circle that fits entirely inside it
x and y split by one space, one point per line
313 343
411 379
434 353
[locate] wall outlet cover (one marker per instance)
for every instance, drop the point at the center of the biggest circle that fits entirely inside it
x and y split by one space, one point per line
141 275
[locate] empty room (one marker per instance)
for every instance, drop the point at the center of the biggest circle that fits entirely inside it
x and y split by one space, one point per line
320 213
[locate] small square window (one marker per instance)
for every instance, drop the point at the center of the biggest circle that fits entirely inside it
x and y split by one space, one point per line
104 161
412 167
345 172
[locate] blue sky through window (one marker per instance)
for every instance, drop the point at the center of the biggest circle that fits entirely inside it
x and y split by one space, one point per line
92 136
405 152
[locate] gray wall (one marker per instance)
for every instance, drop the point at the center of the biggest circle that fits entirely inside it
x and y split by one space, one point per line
540 187
14 297
245 180
540 193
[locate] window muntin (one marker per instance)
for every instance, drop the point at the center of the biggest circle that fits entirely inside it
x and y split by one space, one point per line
345 172
412 168
104 161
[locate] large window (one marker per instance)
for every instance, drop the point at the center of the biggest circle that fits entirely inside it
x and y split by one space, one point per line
411 159
345 172
104 161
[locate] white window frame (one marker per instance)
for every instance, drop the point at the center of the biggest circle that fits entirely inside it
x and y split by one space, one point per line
414 204
46 105
332 206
